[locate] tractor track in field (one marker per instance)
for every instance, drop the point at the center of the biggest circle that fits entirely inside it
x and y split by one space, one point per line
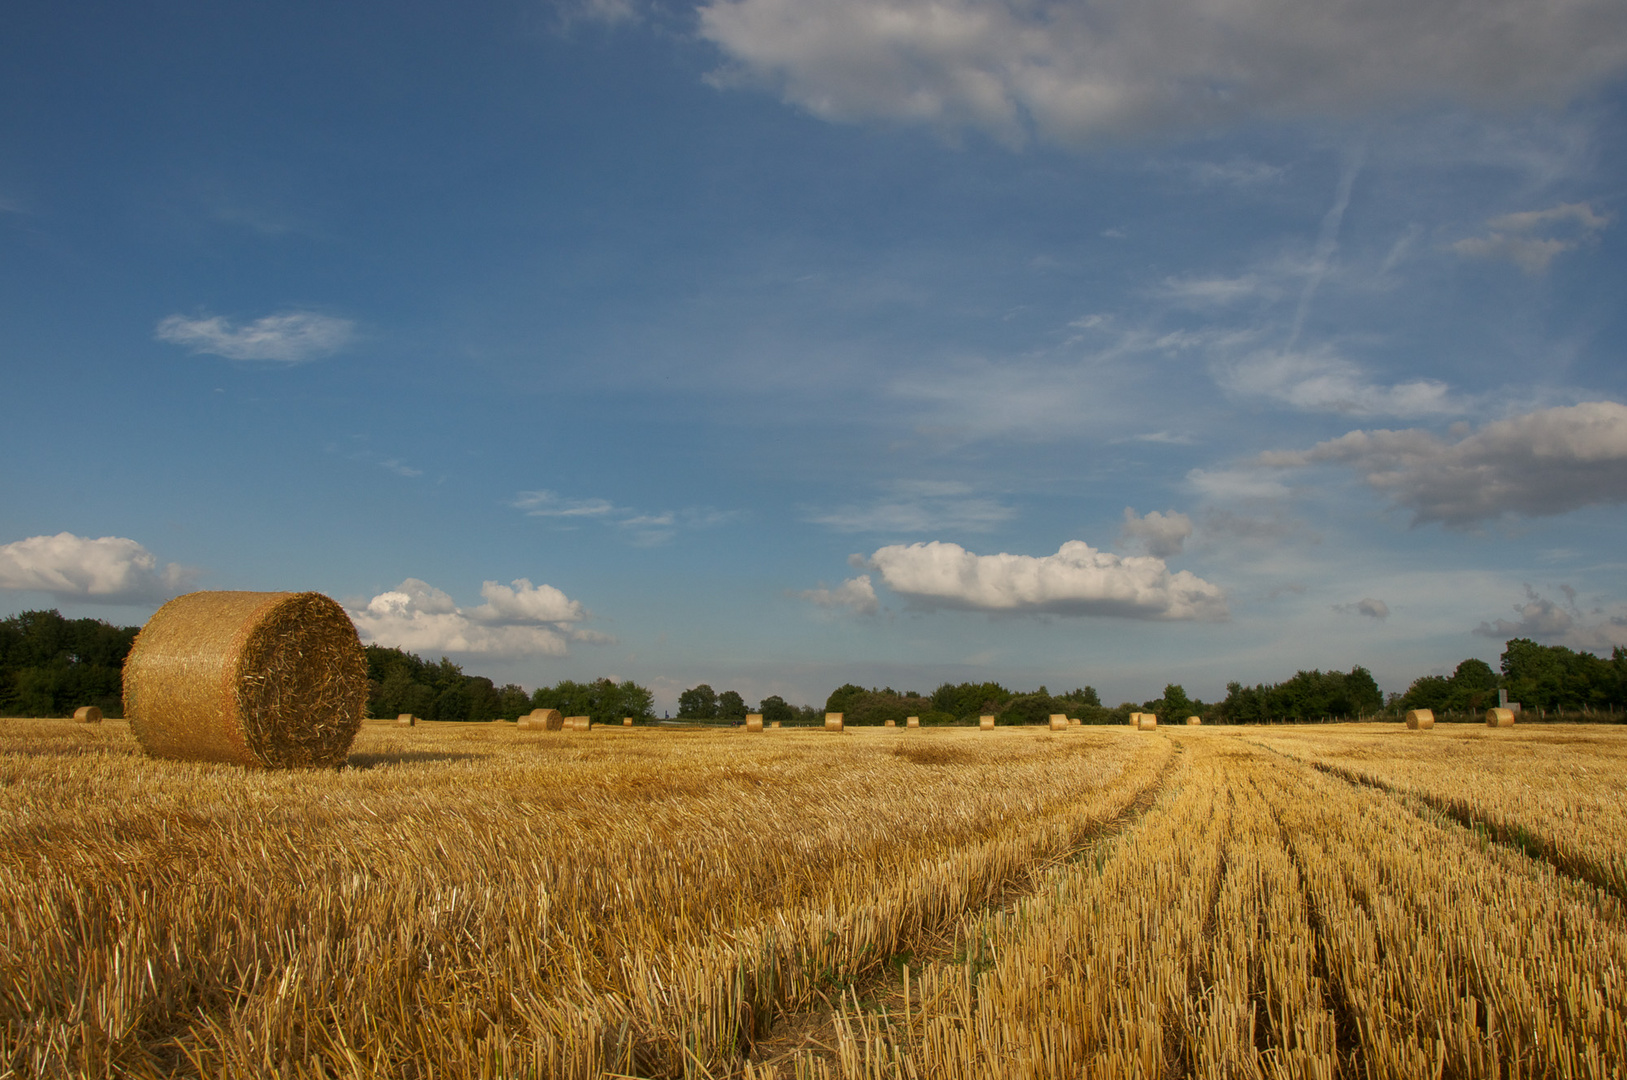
1514 836
814 1030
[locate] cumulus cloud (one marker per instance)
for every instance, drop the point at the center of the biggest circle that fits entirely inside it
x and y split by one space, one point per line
1070 72
518 619
1163 535
1373 609
292 337
1077 580
1532 238
914 506
1546 462
110 569
1558 623
855 594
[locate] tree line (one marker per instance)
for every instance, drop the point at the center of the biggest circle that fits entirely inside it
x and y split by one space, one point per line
49 666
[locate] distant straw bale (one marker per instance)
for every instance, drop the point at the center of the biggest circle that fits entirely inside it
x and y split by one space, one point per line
912 721
266 679
578 723
627 721
773 723
1075 721
1059 721
1146 721
833 721
754 721
1194 721
405 719
985 723
890 723
87 714
543 720
1499 717
1420 719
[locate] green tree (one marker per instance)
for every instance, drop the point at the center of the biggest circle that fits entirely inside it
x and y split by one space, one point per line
698 703
841 698
731 706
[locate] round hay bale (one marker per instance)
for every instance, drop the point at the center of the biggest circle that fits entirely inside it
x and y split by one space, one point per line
754 721
833 721
1059 721
405 719
1135 719
87 714
1075 721
1420 719
1146 721
1499 717
912 721
985 723
1194 721
627 721
544 720
578 723
890 723
265 679
773 723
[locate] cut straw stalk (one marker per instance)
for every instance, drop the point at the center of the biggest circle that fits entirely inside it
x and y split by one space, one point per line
266 679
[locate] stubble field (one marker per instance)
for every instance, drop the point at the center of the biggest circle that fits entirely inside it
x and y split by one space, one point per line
473 901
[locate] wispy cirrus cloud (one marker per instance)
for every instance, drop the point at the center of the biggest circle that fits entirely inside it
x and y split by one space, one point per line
915 506
291 337
1532 239
642 528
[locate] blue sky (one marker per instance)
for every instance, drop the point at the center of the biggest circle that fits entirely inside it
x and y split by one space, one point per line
782 343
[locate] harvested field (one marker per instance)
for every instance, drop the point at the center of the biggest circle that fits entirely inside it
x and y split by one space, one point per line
1337 901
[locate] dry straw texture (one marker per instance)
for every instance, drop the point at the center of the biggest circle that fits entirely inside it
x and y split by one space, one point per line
543 720
774 723
88 714
1194 721
273 680
833 721
406 719
890 723
1499 717
912 721
1420 719
1146 721
627 721
1059 721
578 723
985 723
754 721
1075 721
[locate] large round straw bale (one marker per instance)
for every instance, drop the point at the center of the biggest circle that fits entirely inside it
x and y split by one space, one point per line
1194 721
912 721
1059 721
88 714
578 723
1146 721
268 679
1420 719
1499 717
405 719
546 719
754 721
833 721
985 723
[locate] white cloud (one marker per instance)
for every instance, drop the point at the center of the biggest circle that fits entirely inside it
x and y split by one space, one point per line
519 619
1228 485
1218 290
1077 580
1163 535
292 337
914 506
642 529
855 594
1527 239
1071 72
111 569
1558 623
548 504
1373 609
1542 463
1323 381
